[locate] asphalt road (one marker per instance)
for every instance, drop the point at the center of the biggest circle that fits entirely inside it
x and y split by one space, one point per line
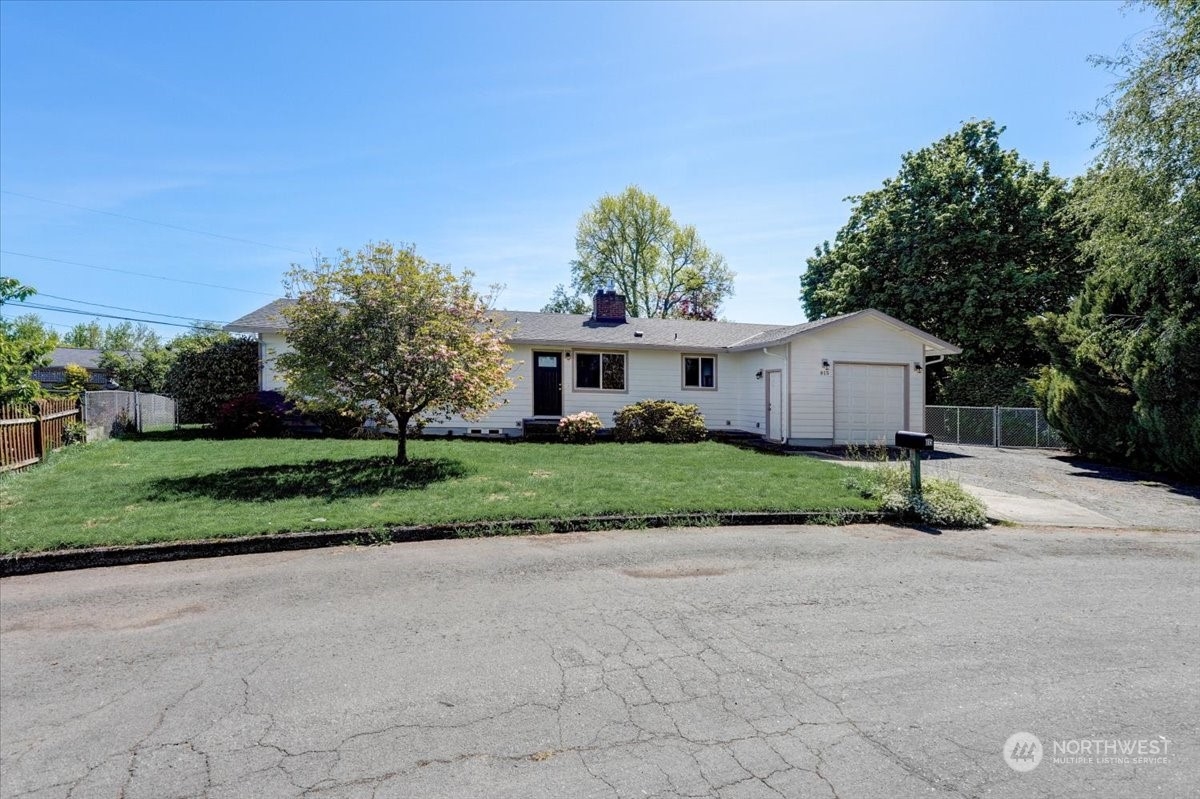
797 662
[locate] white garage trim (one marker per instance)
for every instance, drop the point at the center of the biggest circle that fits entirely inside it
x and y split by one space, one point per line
870 401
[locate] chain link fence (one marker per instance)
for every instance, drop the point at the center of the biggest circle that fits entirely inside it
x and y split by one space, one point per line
991 427
111 413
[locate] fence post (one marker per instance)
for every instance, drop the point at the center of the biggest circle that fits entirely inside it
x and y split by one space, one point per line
1037 422
958 425
38 440
137 413
995 425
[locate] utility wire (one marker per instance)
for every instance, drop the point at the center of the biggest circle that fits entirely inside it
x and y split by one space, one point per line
117 307
131 272
105 315
152 222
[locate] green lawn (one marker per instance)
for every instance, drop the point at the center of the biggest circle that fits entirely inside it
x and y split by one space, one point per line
178 486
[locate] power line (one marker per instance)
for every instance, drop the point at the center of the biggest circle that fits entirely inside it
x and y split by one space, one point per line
115 307
131 272
152 222
107 316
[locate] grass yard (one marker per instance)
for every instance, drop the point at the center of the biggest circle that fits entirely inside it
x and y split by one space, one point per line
180 486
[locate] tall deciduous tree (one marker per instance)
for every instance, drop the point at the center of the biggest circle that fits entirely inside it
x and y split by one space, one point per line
384 325
22 348
563 302
1125 380
663 268
85 335
968 241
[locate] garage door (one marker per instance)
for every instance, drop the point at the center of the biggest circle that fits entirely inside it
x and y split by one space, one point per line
868 403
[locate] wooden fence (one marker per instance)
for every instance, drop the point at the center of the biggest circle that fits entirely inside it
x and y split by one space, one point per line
28 432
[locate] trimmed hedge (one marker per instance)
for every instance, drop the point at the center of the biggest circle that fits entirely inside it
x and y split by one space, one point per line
202 381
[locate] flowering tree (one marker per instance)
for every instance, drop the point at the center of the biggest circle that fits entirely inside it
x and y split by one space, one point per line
384 325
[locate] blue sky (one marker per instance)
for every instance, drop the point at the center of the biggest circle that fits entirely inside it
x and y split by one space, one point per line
481 132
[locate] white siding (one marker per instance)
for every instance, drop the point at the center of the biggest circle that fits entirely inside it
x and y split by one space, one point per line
861 340
519 399
650 374
752 396
270 346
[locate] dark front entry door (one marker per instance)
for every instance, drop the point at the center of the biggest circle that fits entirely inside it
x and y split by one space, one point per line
547 384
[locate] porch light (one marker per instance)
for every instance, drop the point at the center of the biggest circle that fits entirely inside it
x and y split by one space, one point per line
918 368
758 375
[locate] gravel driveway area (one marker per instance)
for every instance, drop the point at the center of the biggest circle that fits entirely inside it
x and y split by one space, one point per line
1133 499
865 661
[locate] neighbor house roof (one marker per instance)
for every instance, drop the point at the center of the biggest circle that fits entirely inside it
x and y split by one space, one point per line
60 357
579 330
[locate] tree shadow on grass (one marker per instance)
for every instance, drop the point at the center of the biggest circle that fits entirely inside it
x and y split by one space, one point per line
321 479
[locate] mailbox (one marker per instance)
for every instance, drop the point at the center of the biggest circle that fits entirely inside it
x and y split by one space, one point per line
906 439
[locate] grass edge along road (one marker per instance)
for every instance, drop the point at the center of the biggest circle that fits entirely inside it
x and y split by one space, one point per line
183 486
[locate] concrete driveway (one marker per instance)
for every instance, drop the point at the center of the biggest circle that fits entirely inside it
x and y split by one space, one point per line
749 662
1039 486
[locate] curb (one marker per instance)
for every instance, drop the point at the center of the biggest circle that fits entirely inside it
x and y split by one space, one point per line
96 557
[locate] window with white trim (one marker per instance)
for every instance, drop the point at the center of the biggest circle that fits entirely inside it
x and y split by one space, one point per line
700 371
600 371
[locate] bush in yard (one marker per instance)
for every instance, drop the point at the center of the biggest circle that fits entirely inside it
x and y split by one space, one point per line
659 420
202 380
74 433
259 414
941 503
334 421
75 380
579 428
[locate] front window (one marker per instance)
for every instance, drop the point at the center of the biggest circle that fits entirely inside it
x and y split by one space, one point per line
600 371
699 371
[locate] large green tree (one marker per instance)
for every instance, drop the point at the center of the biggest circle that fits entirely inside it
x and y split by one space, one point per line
967 242
562 301
23 347
1125 380
663 268
385 326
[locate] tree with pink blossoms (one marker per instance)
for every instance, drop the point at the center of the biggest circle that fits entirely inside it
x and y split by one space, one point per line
384 326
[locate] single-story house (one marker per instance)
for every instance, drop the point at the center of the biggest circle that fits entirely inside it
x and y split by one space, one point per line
856 378
54 375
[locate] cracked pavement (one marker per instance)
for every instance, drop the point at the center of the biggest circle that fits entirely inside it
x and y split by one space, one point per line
732 662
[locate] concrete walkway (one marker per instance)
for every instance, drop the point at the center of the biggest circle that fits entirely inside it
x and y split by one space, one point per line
1029 508
1026 510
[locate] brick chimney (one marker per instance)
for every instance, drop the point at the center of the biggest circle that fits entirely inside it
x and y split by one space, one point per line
608 306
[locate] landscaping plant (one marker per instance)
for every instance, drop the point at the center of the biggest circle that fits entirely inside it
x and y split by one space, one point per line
579 428
661 421
941 503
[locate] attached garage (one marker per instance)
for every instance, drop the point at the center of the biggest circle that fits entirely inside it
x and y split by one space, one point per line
870 402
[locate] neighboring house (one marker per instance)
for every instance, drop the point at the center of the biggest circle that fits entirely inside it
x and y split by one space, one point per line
54 375
856 378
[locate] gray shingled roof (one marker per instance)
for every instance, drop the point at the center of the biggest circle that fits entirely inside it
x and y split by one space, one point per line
265 320
579 329
529 327
64 356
